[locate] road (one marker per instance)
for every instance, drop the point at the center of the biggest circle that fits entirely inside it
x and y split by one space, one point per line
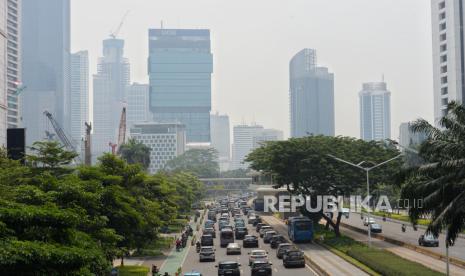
393 230
191 263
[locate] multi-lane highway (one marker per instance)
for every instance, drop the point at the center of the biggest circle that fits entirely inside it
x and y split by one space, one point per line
192 263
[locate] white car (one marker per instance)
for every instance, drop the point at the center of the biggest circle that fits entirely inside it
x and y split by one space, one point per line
258 255
207 253
264 229
233 248
367 221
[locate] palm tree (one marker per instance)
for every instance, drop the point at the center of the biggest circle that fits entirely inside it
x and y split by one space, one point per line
135 152
440 180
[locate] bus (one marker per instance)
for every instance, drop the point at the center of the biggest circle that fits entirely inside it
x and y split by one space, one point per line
226 237
300 229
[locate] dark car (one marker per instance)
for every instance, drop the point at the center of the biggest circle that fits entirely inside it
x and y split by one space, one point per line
294 258
206 240
250 241
209 231
277 240
259 226
259 268
375 228
283 248
240 232
428 240
257 221
228 268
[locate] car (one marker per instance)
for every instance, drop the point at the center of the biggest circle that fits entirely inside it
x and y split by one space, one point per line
345 212
277 240
294 258
261 268
240 232
257 221
209 224
206 240
251 219
263 229
428 240
369 221
193 273
283 248
222 224
230 268
233 248
268 235
227 226
258 254
239 223
376 228
259 226
250 241
210 231
207 253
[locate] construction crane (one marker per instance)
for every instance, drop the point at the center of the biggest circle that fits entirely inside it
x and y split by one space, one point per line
115 33
121 133
61 134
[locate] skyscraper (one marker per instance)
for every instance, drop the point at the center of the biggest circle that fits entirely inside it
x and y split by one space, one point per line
180 68
110 85
45 66
447 17
79 98
408 138
221 139
138 104
3 68
311 96
375 111
14 61
247 138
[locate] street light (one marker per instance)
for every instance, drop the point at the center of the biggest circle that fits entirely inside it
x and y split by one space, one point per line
367 171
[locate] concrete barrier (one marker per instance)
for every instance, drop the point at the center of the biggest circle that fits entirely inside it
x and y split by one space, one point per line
416 248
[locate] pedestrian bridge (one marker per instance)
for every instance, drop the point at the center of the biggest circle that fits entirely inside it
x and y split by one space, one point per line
216 185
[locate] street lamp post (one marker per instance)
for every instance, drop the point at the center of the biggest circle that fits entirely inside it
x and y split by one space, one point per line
367 171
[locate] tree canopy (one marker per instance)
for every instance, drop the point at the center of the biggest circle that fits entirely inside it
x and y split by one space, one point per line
135 152
202 163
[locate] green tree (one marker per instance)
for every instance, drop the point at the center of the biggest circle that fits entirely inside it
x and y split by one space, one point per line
200 162
50 156
239 173
135 152
304 167
439 182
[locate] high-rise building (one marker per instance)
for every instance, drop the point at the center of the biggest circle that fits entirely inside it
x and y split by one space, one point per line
110 86
247 138
14 61
180 68
3 68
409 138
375 111
166 141
221 139
447 17
138 104
45 40
311 96
79 98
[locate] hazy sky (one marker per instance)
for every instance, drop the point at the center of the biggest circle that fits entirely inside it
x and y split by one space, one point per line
253 41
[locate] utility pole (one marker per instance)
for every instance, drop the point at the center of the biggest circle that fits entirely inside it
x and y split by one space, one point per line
87 145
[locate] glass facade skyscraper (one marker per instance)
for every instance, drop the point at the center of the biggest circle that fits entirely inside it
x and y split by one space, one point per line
311 96
180 68
375 112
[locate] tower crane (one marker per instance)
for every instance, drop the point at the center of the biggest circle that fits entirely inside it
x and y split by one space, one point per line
121 133
60 133
115 33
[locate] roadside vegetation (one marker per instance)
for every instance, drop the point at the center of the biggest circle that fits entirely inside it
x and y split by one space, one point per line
57 219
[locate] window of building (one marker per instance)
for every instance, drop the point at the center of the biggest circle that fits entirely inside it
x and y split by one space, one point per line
444 101
442 15
444 90
444 80
442 26
443 47
443 58
442 37
442 5
444 69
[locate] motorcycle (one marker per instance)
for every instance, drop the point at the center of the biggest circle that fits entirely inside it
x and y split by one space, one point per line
178 247
404 228
197 247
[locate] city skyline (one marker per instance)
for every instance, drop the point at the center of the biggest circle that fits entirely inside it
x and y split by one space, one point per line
268 65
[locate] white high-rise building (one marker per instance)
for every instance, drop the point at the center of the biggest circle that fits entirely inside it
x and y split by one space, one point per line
221 139
110 85
138 104
247 138
3 67
408 138
166 141
79 97
448 53
14 61
375 111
